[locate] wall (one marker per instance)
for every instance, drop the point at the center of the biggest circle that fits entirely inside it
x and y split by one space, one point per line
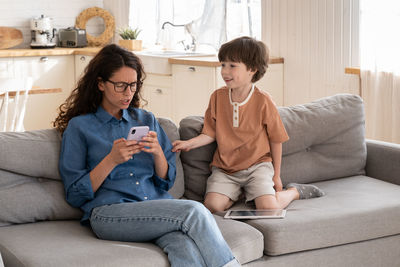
317 39
17 14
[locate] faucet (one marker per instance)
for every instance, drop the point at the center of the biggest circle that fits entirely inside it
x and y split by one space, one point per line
189 30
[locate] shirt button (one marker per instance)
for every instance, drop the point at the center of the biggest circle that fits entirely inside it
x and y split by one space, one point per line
235 118
137 182
131 174
145 197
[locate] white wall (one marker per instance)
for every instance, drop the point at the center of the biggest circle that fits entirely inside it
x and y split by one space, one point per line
318 39
17 14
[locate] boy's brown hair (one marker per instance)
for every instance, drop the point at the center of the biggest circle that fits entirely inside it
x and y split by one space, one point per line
254 54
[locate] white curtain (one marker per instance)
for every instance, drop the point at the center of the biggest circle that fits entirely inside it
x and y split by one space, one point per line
214 21
120 10
380 68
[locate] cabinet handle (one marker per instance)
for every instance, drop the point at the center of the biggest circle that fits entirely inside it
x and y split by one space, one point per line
192 68
44 59
159 91
83 58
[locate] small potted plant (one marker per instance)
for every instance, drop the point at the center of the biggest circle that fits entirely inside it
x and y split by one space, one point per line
129 39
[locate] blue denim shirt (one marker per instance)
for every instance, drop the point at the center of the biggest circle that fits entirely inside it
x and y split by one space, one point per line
88 139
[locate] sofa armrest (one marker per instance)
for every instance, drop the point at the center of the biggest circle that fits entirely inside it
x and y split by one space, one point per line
383 161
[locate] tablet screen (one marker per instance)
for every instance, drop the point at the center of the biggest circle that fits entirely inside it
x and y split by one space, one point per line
255 214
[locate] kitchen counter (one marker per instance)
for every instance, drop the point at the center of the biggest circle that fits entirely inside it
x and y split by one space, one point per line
210 61
58 51
207 61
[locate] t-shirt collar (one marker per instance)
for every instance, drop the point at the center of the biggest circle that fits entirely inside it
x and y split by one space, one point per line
247 98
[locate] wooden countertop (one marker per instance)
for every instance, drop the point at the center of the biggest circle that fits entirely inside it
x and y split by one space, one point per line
58 51
210 61
207 61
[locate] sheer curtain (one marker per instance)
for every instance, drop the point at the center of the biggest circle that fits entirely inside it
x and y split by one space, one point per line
213 21
380 68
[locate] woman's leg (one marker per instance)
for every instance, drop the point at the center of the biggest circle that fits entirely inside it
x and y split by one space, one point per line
149 220
181 249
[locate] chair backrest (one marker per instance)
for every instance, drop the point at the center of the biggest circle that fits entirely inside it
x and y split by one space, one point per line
13 99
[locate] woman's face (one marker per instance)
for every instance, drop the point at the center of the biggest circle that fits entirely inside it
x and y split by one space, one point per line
117 91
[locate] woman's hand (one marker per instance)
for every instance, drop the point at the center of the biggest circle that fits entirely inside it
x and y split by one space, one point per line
123 150
150 144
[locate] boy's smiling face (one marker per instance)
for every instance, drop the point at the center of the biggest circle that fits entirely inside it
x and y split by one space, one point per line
236 75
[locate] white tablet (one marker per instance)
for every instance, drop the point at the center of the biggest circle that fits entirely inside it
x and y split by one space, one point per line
255 214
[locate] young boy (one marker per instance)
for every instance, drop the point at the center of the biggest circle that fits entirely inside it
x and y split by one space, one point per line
246 125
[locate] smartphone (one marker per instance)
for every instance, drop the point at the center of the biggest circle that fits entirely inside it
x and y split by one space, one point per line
138 132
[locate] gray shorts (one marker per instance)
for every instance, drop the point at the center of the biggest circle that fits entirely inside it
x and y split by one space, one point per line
255 181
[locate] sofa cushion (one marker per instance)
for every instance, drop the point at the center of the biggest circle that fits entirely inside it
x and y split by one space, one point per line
25 199
172 132
327 139
246 242
195 162
30 185
326 142
67 243
31 153
354 209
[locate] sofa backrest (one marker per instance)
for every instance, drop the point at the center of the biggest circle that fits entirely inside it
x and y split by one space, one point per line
30 184
326 141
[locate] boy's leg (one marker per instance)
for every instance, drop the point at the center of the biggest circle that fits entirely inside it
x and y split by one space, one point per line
222 190
216 202
280 200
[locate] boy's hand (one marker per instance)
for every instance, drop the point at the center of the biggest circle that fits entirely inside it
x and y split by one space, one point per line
180 145
277 183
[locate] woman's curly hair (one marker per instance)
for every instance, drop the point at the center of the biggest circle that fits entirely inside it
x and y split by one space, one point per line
87 97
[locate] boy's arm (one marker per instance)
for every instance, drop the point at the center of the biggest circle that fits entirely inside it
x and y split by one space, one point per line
276 154
195 142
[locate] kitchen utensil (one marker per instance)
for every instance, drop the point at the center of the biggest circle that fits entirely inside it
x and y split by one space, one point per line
10 37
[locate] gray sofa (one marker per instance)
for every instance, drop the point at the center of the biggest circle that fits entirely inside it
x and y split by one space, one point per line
355 224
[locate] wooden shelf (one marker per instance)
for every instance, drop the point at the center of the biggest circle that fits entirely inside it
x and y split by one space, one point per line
36 90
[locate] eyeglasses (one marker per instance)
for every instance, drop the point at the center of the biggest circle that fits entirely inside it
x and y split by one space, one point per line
120 87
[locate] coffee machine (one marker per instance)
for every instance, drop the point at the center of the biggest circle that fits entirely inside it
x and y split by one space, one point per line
42 32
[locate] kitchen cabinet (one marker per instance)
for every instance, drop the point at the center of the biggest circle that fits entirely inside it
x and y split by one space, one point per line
81 61
157 91
6 67
47 72
193 86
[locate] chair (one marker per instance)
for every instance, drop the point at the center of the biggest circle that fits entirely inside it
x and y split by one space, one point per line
13 100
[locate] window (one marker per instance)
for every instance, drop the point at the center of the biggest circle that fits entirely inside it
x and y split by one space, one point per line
213 21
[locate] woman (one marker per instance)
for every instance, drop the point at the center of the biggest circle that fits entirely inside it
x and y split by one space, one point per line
122 185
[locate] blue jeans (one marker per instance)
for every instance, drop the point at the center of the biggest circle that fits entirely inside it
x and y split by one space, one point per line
184 229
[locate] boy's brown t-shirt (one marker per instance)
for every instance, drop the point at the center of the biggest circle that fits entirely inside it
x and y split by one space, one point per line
242 130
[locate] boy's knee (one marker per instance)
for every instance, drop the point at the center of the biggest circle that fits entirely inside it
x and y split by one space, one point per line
213 207
269 203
